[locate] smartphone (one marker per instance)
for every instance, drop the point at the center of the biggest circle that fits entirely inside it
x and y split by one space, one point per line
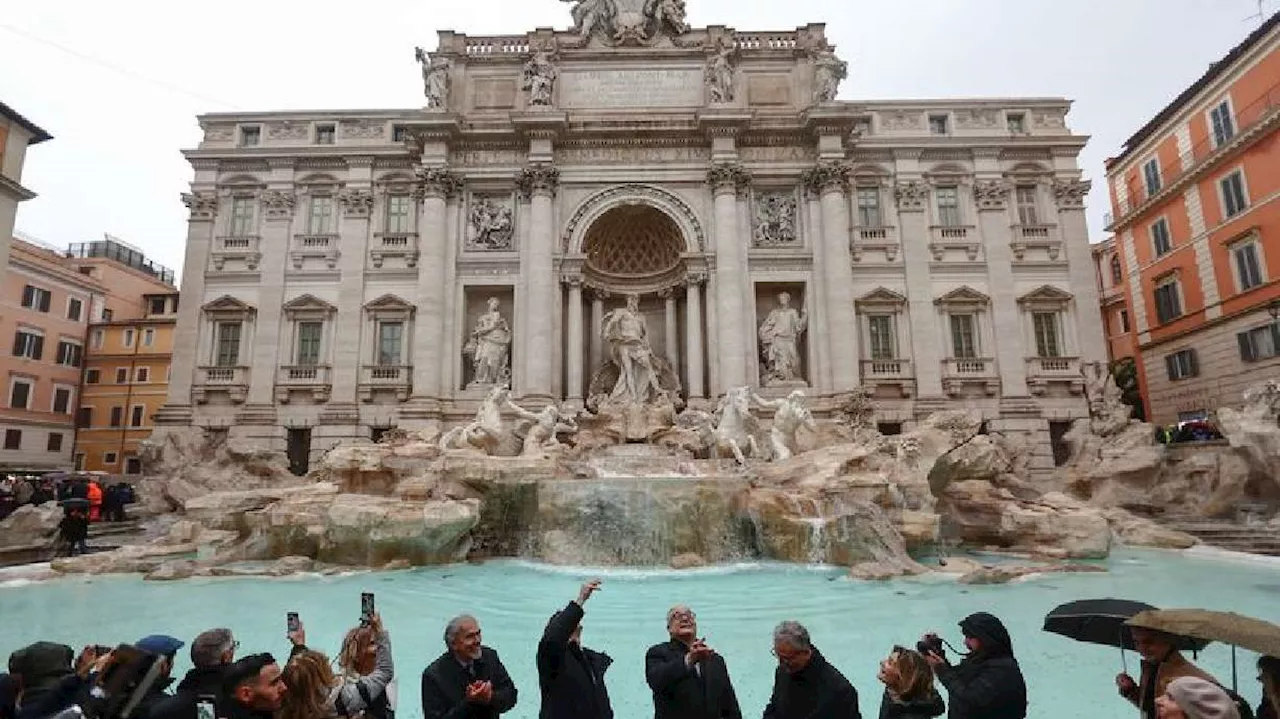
291 621
205 710
366 607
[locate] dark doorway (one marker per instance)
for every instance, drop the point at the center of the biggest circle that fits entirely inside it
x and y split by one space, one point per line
889 429
299 450
377 433
1057 434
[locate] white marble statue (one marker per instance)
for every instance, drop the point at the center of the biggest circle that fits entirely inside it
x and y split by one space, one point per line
484 433
627 337
734 430
789 416
779 341
828 71
719 76
668 14
592 15
489 347
540 434
435 78
539 78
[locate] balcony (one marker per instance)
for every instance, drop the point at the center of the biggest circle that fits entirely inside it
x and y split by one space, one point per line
945 238
323 247
238 249
1042 240
394 244
970 376
894 373
231 381
874 239
313 379
394 380
1044 372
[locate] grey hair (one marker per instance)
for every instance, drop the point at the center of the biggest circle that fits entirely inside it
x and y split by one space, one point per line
677 608
792 634
209 646
454 626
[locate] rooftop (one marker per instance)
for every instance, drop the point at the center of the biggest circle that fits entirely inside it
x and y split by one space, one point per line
119 251
38 133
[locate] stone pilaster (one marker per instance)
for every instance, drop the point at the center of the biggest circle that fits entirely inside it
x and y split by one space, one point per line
435 186
912 199
270 336
538 184
830 182
355 207
203 208
693 335
1070 195
573 351
727 181
992 199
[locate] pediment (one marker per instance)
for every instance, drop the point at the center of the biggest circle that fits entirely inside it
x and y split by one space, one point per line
963 295
389 303
1047 294
882 296
308 303
227 304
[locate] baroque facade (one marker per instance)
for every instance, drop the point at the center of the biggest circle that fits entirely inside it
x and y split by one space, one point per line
351 271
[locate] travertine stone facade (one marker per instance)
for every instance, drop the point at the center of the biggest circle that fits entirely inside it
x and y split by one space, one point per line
937 249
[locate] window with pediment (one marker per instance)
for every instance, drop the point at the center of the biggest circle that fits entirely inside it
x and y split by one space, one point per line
881 313
228 321
964 311
1047 309
389 323
310 319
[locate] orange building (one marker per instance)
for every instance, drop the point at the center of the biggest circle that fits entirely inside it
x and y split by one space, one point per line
1196 217
45 309
1116 321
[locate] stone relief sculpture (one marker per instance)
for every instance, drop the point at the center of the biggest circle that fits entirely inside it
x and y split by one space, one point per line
719 74
775 221
489 348
435 78
779 342
789 416
490 226
828 71
542 428
539 78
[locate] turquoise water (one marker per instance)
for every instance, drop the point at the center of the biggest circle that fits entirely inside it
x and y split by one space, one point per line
854 623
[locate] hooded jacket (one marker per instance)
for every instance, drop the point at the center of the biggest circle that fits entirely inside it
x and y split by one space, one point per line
819 691
987 684
571 677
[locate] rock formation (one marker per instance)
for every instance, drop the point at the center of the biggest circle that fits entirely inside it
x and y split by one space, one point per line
31 525
182 463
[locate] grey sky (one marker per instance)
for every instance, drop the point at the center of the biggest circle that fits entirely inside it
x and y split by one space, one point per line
114 164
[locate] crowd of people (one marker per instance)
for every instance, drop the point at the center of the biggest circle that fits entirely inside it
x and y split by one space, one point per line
688 678
83 498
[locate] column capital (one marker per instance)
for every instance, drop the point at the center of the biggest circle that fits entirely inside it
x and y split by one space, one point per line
911 196
728 177
667 293
695 279
573 282
356 202
992 195
278 204
538 178
202 204
436 182
1070 194
832 176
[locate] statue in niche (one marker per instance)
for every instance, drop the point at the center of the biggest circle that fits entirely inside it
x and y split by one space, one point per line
789 416
775 220
779 340
491 226
719 76
542 428
489 347
539 78
828 71
435 78
627 336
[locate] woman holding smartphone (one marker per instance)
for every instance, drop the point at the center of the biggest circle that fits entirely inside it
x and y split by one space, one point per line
365 670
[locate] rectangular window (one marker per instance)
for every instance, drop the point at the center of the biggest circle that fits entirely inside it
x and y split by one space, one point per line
1117 272
227 353
128 338
938 124
869 207
78 459
241 216
964 339
1161 241
1223 126
55 442
106 315
948 199
1151 176
61 400
35 298
132 465
92 376
74 308
28 344
117 416
1047 340
137 415
309 334
1027 210
84 417
122 375
390 339
1124 320
69 353
1182 364
250 136
1017 123
325 134
142 374
1248 265
880 329
148 337
96 340
399 133
109 458
158 306
1168 301
1233 198
399 208
20 394
320 218
1259 343
13 439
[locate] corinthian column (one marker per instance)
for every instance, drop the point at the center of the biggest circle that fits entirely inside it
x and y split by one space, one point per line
1069 195
671 327
992 198
830 181
574 349
186 335
538 183
693 334
732 329
435 186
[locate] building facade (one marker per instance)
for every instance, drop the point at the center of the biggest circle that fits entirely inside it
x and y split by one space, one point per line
1197 225
1112 283
349 271
17 133
45 308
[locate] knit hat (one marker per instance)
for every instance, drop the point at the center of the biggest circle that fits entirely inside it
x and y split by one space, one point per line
1200 699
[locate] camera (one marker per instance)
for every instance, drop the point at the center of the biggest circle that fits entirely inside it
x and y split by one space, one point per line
930 643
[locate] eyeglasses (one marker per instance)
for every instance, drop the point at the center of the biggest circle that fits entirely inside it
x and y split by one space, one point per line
682 615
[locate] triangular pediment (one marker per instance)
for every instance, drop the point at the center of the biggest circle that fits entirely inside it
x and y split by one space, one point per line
227 304
963 295
1047 294
308 303
389 303
882 296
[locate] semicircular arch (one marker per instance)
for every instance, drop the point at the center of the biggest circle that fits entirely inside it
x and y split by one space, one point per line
664 201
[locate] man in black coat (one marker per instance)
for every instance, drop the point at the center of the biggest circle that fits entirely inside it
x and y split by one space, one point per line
211 653
987 683
468 681
571 676
252 688
689 680
805 684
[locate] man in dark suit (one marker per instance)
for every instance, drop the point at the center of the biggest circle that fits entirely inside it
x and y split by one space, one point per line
689 680
570 675
468 681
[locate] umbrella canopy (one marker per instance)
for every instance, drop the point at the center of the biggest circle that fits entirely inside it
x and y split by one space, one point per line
1241 631
1102 621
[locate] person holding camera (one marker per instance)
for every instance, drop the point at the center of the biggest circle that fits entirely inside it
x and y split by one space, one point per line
45 682
571 676
987 683
211 652
315 692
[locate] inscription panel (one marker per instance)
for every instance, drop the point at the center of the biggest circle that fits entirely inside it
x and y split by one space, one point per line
631 88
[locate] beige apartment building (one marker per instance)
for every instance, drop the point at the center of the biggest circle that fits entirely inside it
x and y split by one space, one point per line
17 133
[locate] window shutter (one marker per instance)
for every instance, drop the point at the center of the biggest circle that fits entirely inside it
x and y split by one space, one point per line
1168 367
1246 345
44 301
28 296
39 349
17 344
1275 337
1194 363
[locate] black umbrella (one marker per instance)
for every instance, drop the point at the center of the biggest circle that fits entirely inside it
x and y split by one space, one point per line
1102 621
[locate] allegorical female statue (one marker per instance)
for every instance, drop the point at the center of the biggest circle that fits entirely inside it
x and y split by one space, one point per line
489 347
780 340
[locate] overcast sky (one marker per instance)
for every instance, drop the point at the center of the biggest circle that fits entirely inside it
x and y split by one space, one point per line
119 83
